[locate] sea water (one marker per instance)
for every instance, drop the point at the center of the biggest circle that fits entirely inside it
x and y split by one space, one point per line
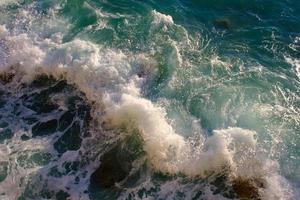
127 99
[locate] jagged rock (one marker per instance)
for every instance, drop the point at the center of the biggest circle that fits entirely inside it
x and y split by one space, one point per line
111 170
5 135
223 23
3 170
6 78
44 128
61 195
116 164
71 139
247 189
66 120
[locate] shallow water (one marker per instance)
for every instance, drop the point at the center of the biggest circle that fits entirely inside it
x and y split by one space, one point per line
189 99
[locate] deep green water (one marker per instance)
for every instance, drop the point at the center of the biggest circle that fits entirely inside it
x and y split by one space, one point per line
210 64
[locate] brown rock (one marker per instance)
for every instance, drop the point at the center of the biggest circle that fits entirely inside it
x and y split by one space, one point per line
247 188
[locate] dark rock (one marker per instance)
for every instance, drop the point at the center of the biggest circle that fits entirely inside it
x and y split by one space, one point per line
71 166
2 103
70 140
61 195
3 124
247 189
66 120
73 102
221 185
3 171
40 102
44 128
54 172
83 111
32 159
110 171
223 23
116 164
30 120
40 159
5 135
6 78
25 137
43 81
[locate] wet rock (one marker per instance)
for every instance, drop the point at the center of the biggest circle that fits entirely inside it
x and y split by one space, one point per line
83 111
222 187
3 124
223 23
110 171
71 139
116 164
66 120
43 81
25 137
33 159
54 172
46 194
71 167
40 158
40 102
247 189
30 120
72 102
6 78
44 128
3 171
5 135
61 195
2 103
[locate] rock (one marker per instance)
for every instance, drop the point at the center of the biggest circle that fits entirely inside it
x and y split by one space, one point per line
116 164
223 23
5 135
3 170
40 102
71 139
24 137
61 195
66 120
6 78
44 128
43 81
247 189
33 159
110 171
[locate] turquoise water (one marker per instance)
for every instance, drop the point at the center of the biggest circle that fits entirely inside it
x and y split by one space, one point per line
190 99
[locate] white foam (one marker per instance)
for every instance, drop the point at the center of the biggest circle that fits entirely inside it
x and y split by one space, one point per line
6 2
234 148
295 63
159 18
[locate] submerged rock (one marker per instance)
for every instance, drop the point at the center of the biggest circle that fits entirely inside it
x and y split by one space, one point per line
44 128
111 170
66 120
6 78
247 189
5 135
116 164
223 23
61 195
3 171
71 139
